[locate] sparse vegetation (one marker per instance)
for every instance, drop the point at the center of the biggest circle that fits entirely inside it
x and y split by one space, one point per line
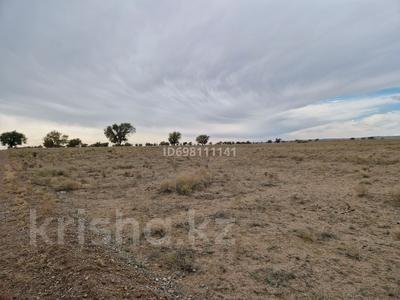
353 252
168 186
306 235
360 190
182 260
395 195
326 236
64 184
298 158
275 278
291 223
186 183
51 172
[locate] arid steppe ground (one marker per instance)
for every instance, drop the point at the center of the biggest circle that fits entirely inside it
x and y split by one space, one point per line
317 220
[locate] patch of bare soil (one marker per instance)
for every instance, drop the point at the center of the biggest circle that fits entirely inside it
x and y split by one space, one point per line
66 270
317 220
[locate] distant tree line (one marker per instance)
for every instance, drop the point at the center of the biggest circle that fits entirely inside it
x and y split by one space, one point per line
118 135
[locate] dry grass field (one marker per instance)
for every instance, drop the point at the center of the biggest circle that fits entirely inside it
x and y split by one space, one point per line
318 220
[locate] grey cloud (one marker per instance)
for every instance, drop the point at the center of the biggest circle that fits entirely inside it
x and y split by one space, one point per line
185 64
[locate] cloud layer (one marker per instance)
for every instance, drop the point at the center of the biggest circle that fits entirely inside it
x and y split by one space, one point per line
233 69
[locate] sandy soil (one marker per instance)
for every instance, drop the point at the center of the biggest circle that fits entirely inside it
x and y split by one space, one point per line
318 220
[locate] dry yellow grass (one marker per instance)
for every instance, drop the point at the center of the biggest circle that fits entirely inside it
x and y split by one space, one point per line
361 190
186 183
396 236
305 234
305 217
396 196
64 184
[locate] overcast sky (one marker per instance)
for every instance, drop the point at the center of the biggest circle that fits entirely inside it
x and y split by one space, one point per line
232 69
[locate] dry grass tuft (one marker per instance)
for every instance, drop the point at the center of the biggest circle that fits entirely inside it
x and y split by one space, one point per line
274 278
370 160
64 184
364 174
187 183
361 190
272 179
168 186
298 158
305 234
41 181
48 176
47 204
353 252
123 167
395 195
8 175
182 260
57 183
396 236
361 160
51 172
326 236
318 295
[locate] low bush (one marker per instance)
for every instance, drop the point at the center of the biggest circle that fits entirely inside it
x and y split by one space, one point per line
187 183
64 184
273 277
51 172
182 260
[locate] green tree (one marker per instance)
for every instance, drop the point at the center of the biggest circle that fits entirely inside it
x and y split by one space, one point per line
202 139
74 143
174 137
55 139
12 139
119 133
